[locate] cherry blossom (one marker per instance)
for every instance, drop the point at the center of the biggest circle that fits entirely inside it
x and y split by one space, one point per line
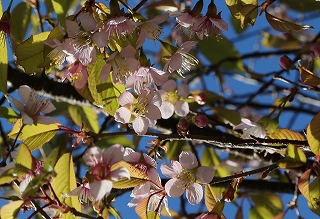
142 112
100 169
171 99
183 174
146 77
77 75
181 61
118 27
62 51
83 191
206 26
26 179
250 128
150 29
123 64
31 107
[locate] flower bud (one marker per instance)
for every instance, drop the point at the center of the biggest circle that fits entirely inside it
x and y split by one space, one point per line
315 51
200 120
286 63
183 124
200 98
5 23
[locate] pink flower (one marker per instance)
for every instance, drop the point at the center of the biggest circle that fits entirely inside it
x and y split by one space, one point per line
250 128
63 51
142 112
83 191
31 107
77 75
181 61
100 169
150 29
146 77
122 64
315 51
200 120
183 176
206 26
171 99
118 27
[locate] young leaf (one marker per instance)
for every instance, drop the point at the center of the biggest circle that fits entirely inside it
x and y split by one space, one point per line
3 60
65 181
84 115
9 175
307 77
209 197
294 158
30 52
24 157
314 203
248 15
304 184
284 26
11 210
22 16
287 134
211 159
267 205
313 134
61 8
8 113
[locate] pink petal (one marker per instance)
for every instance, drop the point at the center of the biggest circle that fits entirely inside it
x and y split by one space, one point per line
125 98
105 72
153 174
87 21
100 39
187 46
113 154
92 156
175 62
72 28
26 119
50 107
194 193
153 112
204 174
119 173
46 120
167 110
99 189
122 115
183 90
221 24
188 160
174 188
128 52
17 104
171 171
140 125
181 108
170 85
142 37
25 92
160 18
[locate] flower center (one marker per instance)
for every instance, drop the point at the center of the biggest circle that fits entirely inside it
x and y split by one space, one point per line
187 177
120 69
139 108
188 62
100 171
171 97
151 30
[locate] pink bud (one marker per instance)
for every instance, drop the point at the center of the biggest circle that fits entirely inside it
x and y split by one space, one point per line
315 51
5 23
200 98
286 63
200 120
183 124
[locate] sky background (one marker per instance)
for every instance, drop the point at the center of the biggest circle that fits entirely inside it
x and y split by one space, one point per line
244 46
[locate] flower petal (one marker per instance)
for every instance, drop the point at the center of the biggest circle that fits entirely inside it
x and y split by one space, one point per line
181 108
188 160
119 173
140 125
125 98
204 174
99 189
174 188
113 154
122 115
194 193
172 170
92 156
153 112
183 90
25 92
167 110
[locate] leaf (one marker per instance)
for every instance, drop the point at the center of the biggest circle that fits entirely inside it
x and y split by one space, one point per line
248 15
287 134
3 60
52 159
214 50
84 115
34 136
304 183
11 210
34 185
146 210
284 26
65 181
12 174
267 204
314 203
211 159
279 42
137 177
85 93
302 6
210 199
24 157
295 157
19 25
308 77
8 113
233 116
61 8
30 52
313 134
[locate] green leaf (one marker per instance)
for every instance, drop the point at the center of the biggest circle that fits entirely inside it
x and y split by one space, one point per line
123 140
210 199
3 60
211 159
34 185
24 157
8 113
85 93
137 177
61 8
11 210
65 181
284 26
9 175
84 115
34 136
248 15
314 203
214 50
21 15
313 134
30 52
52 159
279 42
295 157
233 116
307 77
267 205
302 6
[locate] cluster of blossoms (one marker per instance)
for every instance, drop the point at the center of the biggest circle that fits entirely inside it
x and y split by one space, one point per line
119 38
